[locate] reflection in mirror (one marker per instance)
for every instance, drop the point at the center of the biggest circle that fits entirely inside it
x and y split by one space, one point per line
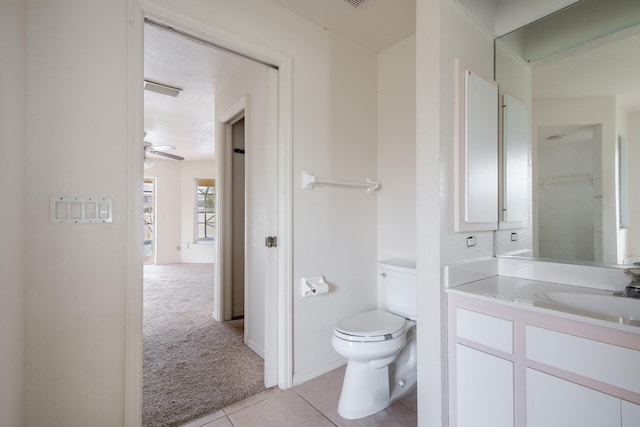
569 192
584 101
515 163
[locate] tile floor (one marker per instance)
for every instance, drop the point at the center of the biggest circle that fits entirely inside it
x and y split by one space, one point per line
312 404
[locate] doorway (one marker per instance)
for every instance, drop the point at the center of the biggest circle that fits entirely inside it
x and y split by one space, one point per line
237 219
278 299
174 60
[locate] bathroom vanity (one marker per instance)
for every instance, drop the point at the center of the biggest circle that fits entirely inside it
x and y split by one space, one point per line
517 358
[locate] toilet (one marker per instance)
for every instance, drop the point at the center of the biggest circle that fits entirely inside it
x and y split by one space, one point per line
380 346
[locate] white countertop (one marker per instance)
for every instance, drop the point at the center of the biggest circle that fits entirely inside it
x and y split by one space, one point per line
529 294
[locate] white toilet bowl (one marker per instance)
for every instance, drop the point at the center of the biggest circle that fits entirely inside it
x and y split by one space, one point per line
380 349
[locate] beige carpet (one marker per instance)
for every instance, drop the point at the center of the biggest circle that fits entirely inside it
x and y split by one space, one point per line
193 365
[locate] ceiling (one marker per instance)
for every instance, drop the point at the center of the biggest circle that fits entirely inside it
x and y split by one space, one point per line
187 121
375 24
605 70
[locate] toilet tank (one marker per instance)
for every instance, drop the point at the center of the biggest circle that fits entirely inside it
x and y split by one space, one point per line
399 282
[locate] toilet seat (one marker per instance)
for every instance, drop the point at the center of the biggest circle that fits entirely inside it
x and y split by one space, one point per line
371 326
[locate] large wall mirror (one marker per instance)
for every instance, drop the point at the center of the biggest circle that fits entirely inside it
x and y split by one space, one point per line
584 64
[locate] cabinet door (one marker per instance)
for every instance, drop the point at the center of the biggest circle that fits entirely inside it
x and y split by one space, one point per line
554 402
476 152
630 414
484 389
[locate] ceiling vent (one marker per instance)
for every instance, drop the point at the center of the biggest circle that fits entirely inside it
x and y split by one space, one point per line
161 88
355 3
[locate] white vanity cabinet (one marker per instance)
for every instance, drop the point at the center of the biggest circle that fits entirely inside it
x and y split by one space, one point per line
484 380
630 414
555 402
516 367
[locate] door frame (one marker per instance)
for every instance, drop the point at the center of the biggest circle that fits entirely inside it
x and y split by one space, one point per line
279 337
222 306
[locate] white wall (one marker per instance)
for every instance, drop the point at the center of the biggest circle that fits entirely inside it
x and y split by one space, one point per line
443 33
251 84
168 174
76 280
397 153
334 228
12 177
75 290
461 38
192 252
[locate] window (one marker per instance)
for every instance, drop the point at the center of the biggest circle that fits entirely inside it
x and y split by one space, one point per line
148 201
205 210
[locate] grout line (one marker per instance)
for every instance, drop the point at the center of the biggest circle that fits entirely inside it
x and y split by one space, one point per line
314 407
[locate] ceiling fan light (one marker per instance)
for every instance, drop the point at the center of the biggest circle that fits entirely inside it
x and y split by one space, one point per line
160 88
148 163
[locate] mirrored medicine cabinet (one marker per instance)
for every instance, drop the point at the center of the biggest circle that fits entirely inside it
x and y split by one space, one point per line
492 155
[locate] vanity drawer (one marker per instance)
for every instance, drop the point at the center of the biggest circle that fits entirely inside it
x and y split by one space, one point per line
607 363
489 331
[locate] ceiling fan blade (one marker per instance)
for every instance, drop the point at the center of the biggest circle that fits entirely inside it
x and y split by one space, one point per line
163 147
162 153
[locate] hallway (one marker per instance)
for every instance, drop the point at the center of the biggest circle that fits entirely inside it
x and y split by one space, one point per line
193 365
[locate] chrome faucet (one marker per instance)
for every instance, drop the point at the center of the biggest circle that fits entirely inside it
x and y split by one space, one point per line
633 288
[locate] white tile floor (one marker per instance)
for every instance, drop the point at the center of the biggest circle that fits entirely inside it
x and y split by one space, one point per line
312 404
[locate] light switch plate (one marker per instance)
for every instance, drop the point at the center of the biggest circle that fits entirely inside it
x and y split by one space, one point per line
81 210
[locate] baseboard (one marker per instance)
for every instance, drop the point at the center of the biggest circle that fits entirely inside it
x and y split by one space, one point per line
255 347
309 374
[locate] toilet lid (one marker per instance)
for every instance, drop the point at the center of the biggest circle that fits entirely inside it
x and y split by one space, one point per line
376 325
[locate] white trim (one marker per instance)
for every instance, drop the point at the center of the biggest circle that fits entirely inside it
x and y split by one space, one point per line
309 374
283 287
285 224
234 111
255 347
222 289
133 321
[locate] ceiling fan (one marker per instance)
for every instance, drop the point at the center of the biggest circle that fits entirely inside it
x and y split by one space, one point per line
160 150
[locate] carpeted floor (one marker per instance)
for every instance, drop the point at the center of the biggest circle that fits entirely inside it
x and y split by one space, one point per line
193 365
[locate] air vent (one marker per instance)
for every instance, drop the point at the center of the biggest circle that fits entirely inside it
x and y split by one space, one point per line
355 3
161 88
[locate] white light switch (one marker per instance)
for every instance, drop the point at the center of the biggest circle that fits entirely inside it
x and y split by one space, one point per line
90 210
81 210
76 210
61 210
104 210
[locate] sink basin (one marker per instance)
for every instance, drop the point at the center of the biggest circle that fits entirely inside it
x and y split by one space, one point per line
607 305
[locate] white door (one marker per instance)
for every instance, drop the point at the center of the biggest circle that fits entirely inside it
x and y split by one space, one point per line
484 389
259 269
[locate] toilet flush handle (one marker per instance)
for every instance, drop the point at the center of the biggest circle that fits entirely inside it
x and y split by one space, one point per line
382 274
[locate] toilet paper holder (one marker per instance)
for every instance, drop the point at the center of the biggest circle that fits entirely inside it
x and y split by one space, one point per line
314 285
